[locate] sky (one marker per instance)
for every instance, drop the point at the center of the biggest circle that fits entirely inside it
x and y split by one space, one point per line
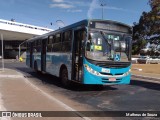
65 12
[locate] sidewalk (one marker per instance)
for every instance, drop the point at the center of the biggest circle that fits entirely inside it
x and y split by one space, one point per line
18 94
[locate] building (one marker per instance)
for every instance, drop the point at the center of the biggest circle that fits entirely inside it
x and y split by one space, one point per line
14 33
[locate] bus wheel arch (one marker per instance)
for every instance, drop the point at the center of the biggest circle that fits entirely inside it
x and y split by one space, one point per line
64 76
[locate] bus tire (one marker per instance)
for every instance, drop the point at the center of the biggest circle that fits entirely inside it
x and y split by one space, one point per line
64 77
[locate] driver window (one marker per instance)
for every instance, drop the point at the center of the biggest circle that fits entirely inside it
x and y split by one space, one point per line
95 42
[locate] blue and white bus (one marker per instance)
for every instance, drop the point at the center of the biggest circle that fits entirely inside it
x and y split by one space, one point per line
94 52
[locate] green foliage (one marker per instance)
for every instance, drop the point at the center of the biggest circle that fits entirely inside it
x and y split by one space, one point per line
137 46
149 25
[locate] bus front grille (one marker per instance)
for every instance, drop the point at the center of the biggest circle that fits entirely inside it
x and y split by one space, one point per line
111 74
114 64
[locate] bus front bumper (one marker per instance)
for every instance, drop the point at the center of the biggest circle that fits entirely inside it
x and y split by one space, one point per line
102 80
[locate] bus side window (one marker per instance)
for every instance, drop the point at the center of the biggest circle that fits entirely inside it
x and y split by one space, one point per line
38 45
57 44
49 45
35 46
66 42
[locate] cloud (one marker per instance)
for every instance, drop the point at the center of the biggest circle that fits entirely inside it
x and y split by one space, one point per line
79 5
96 5
61 5
74 11
68 4
119 9
58 1
92 7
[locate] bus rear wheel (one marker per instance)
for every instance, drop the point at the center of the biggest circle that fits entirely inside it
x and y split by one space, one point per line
64 78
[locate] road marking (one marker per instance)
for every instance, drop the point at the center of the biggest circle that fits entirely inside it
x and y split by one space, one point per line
55 100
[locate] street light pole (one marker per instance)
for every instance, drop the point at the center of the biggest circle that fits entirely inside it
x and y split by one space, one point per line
61 22
102 5
2 53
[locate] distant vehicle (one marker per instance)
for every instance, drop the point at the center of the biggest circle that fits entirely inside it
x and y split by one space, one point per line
154 60
144 60
0 57
145 50
94 52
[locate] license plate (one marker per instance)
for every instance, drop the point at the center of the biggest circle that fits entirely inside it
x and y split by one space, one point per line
112 79
106 70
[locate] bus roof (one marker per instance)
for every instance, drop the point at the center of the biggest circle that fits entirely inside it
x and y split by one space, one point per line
85 22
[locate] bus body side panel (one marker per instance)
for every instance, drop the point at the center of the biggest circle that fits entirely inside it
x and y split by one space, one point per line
90 78
54 61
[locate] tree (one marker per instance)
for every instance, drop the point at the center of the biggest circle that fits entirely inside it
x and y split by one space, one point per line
139 34
148 27
154 17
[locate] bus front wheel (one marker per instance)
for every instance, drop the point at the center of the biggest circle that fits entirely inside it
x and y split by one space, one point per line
64 77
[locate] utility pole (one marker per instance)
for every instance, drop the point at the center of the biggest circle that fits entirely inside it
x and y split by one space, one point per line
102 5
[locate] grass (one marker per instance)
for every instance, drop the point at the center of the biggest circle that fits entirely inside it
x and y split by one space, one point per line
146 68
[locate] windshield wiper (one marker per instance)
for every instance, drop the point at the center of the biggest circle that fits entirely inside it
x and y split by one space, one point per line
110 57
105 38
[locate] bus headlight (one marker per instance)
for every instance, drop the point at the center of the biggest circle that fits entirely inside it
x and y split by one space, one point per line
89 69
127 73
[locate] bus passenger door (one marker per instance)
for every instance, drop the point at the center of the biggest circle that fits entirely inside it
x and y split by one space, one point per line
77 60
43 55
31 54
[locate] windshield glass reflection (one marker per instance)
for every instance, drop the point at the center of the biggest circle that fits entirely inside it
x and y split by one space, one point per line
102 46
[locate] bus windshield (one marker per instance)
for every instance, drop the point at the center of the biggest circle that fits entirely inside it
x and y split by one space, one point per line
104 46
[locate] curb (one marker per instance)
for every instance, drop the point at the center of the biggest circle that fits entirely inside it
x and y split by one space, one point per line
154 80
11 76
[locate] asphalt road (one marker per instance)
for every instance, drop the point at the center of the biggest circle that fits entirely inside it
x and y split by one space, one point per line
138 96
